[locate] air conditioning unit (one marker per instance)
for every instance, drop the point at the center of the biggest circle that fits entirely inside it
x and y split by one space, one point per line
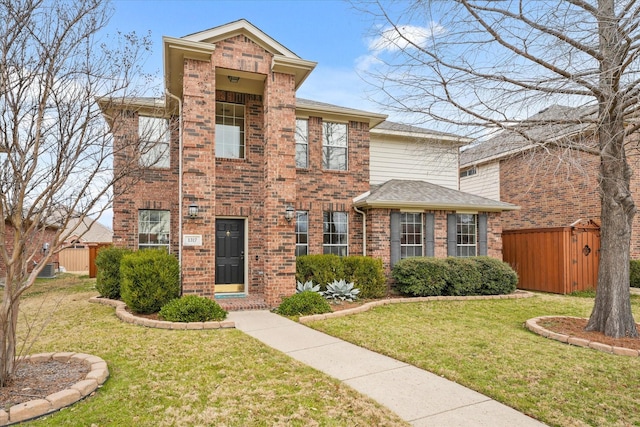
48 272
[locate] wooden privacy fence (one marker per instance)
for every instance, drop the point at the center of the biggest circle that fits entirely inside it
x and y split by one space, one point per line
75 260
559 260
81 260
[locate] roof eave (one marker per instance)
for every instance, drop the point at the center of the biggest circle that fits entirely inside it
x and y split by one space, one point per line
175 51
300 68
433 206
456 140
339 113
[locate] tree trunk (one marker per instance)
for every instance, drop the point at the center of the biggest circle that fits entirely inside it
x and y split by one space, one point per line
8 324
611 313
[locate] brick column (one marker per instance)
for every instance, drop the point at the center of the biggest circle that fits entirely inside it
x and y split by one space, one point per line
280 186
198 262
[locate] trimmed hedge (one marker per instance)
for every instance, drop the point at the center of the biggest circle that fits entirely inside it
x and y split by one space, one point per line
421 277
192 308
320 269
150 279
303 304
498 277
463 277
454 276
634 273
108 275
366 273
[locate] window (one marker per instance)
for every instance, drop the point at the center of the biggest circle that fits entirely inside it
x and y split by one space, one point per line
334 146
468 172
302 233
466 235
302 145
335 232
153 229
410 235
154 141
230 130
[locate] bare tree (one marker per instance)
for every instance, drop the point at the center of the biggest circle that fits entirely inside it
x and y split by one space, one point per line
55 146
487 65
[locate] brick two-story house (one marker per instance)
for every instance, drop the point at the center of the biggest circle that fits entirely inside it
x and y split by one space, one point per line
241 176
554 181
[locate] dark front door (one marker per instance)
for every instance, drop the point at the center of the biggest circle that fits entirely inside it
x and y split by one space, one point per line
229 255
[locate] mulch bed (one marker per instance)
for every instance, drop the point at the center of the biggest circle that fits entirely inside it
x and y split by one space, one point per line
37 380
575 328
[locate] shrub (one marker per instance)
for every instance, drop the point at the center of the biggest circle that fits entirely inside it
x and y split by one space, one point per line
108 275
463 277
367 274
497 276
340 290
303 304
420 277
150 279
320 269
192 308
634 273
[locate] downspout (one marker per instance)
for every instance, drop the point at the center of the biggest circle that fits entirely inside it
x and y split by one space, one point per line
364 230
179 181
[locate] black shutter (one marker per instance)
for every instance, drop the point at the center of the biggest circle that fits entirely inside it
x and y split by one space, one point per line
452 234
429 235
395 238
482 235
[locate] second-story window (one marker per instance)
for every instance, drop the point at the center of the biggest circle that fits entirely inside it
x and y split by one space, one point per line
334 146
154 136
302 143
230 141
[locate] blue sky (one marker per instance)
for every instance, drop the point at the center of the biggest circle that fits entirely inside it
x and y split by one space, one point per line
328 32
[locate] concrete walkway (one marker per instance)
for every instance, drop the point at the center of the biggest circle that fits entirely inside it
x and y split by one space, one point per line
417 396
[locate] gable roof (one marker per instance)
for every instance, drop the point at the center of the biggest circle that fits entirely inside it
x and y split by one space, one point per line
246 28
424 195
201 46
94 232
550 125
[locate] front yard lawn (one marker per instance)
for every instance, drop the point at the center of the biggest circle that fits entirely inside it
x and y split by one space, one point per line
185 378
484 346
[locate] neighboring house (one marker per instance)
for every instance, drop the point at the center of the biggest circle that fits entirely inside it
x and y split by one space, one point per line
82 245
241 176
555 185
36 245
88 232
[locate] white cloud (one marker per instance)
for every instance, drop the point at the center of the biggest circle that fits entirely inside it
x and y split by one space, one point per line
394 39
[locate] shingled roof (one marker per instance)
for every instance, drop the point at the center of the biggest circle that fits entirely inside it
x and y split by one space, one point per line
548 126
425 195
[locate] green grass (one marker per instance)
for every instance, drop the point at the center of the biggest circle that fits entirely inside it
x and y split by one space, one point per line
184 378
484 346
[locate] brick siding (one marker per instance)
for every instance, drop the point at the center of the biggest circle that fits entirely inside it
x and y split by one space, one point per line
555 191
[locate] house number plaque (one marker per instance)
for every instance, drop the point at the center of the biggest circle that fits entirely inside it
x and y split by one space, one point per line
192 240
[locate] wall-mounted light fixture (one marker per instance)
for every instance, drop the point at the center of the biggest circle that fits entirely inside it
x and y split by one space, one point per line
289 213
234 79
193 210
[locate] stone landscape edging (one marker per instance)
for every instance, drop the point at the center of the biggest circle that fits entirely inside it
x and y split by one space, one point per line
368 306
533 326
97 375
125 316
